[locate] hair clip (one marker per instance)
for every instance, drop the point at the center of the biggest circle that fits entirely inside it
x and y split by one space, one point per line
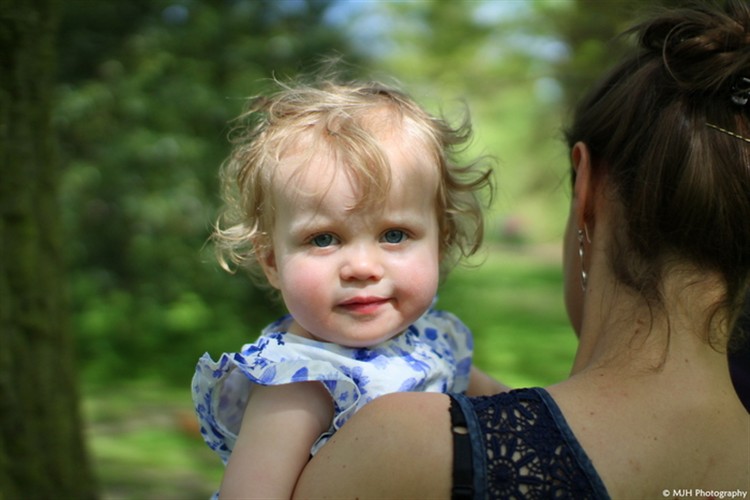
741 91
728 132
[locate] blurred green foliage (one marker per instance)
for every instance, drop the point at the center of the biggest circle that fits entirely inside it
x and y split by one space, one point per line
146 93
513 303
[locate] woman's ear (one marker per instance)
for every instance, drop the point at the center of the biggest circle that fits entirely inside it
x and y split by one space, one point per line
583 196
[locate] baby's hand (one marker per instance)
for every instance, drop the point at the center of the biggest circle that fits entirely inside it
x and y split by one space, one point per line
481 384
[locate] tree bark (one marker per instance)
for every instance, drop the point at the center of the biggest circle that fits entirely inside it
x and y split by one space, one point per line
42 453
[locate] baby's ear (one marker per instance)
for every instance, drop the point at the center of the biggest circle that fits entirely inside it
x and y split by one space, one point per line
267 259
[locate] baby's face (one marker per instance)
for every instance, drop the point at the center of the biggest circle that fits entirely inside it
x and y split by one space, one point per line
356 278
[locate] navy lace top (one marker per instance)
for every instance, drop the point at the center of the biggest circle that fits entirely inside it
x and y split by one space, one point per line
521 447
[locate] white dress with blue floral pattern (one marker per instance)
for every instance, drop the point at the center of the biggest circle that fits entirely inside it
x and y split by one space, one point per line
433 355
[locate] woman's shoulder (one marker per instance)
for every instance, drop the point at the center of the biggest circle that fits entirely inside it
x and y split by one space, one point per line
408 448
388 431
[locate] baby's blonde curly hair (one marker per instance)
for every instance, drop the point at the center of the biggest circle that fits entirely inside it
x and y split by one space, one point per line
342 118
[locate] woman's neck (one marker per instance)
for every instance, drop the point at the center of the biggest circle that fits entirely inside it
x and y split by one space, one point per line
622 332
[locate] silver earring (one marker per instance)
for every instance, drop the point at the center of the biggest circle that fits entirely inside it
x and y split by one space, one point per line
584 275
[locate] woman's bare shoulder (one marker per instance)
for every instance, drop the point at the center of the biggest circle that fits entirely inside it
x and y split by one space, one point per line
397 446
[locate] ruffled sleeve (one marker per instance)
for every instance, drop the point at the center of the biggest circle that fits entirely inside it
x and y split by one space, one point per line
221 388
432 355
457 345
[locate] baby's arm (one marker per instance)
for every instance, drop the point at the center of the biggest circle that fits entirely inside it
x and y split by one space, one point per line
481 384
279 426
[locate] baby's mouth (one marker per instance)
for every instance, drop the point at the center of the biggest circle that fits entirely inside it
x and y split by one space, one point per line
363 305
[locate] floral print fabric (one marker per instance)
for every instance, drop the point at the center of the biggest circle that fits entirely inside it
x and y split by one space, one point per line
433 354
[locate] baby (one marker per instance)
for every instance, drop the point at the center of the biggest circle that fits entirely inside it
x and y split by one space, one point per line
348 198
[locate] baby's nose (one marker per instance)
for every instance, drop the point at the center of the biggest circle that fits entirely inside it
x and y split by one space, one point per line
362 263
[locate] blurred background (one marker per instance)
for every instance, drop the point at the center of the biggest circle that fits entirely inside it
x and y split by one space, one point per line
143 98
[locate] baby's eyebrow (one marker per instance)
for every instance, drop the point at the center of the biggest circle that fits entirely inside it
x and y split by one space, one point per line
313 222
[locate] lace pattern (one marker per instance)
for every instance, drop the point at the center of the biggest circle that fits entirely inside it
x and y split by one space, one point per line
529 452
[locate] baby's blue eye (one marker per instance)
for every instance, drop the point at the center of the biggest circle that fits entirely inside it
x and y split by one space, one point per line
323 240
394 236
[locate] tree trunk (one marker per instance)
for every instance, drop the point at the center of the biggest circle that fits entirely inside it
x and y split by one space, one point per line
42 454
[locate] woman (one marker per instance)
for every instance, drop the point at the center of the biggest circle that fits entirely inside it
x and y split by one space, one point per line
656 264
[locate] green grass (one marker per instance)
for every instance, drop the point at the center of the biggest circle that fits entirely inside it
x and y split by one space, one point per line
145 444
144 440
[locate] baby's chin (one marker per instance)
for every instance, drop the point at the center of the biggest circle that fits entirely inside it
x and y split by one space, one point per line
359 343
357 332
364 341
368 343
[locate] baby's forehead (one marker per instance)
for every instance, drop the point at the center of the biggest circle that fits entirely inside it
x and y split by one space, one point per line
319 166
380 148
315 175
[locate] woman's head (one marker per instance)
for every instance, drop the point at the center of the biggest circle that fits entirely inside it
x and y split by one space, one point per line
667 131
345 123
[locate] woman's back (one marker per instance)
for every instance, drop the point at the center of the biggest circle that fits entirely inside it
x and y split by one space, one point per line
657 437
